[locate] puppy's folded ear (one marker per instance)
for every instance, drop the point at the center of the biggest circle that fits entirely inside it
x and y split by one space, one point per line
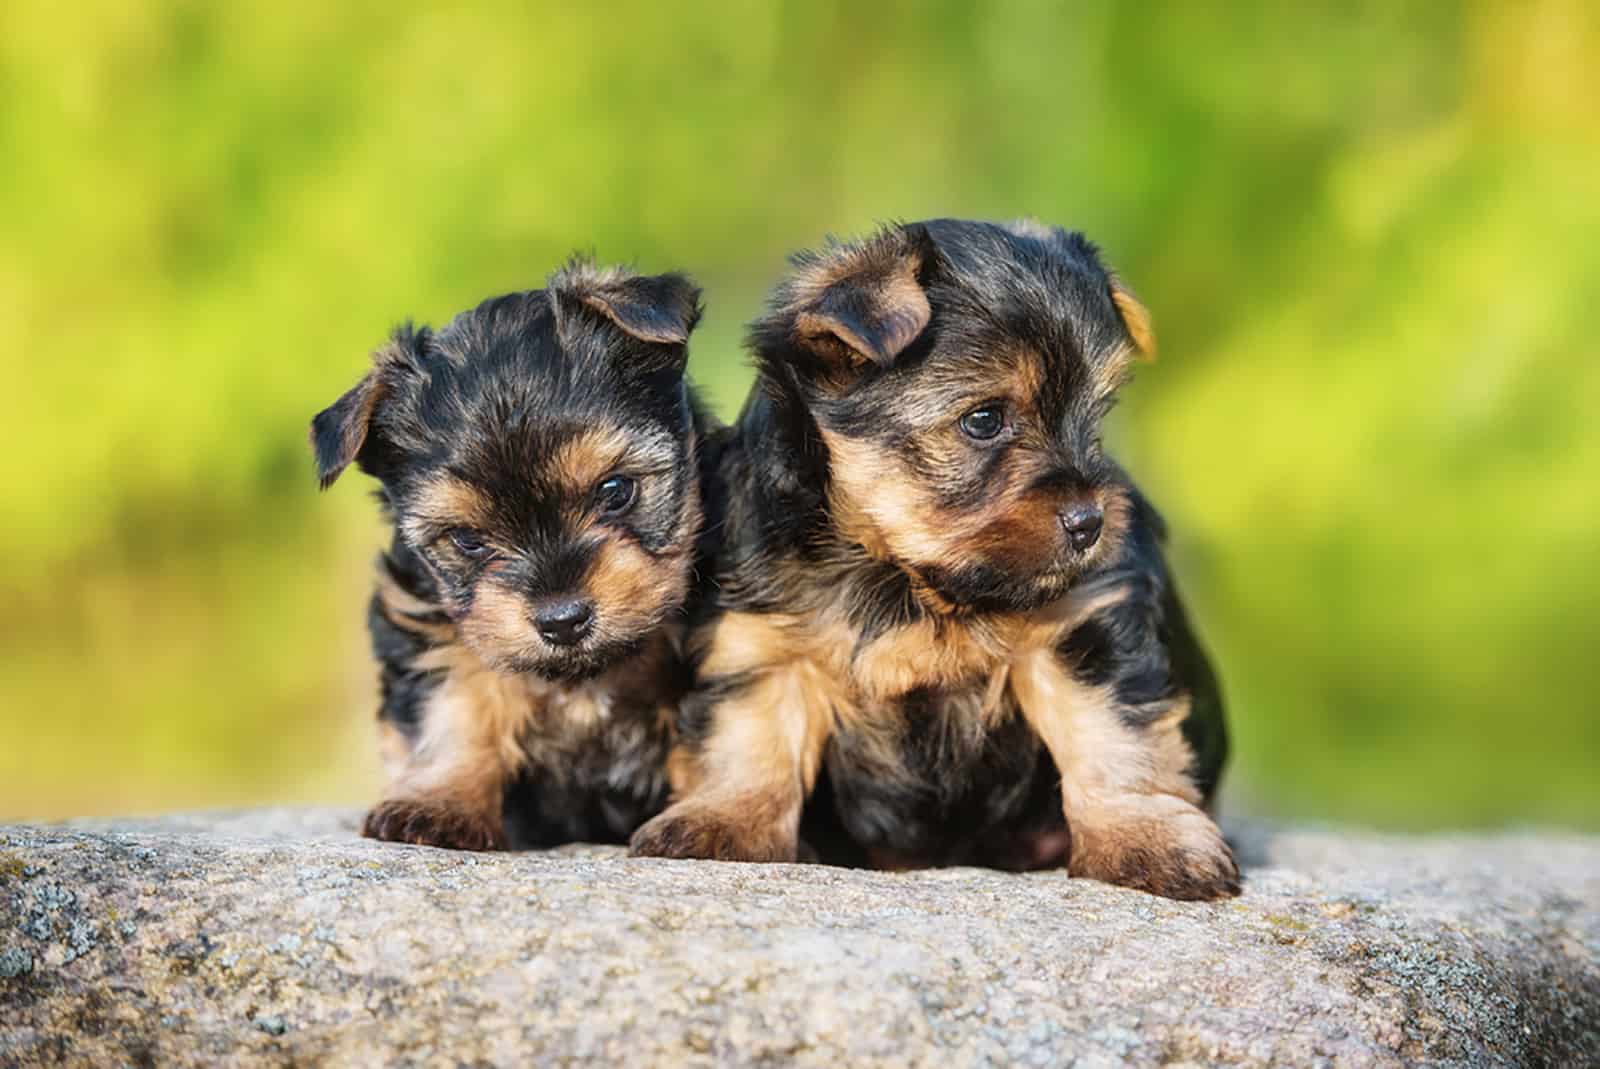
660 311
653 308
858 305
339 433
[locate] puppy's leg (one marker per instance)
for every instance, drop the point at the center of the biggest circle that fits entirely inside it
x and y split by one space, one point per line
744 789
1132 810
449 790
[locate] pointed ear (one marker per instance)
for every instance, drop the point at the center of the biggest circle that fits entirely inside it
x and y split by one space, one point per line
863 304
1135 317
340 431
659 310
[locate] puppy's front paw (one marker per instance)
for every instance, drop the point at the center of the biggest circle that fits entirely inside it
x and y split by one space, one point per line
432 822
715 833
1155 843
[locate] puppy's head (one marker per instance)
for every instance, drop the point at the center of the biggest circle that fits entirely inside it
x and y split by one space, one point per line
958 373
538 454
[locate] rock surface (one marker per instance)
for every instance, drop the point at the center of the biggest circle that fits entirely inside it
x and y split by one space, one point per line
278 937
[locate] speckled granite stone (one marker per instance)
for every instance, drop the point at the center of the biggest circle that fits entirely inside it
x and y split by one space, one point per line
277 937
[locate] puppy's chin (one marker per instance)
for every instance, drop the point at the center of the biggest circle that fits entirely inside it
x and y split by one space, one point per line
981 587
574 664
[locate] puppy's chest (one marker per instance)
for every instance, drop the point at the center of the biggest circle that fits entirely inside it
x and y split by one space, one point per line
953 668
942 775
935 760
931 700
935 733
593 732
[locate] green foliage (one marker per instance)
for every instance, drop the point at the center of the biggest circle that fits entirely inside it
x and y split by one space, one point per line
1370 241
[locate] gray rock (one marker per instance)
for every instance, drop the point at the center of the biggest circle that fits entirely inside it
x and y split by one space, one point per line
278 937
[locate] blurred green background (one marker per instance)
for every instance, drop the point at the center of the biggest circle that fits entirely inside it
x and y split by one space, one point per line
1370 240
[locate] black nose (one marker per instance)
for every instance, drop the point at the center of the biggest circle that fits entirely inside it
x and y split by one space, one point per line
1082 524
563 623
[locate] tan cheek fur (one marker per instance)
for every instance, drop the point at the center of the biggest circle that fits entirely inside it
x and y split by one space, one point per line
633 590
499 620
877 503
880 506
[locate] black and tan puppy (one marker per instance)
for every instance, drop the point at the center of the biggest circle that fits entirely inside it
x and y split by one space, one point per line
942 614
538 457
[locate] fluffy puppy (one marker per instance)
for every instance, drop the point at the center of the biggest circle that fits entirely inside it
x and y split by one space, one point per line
942 614
538 459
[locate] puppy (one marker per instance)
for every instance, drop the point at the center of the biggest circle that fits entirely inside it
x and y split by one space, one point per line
538 458
942 611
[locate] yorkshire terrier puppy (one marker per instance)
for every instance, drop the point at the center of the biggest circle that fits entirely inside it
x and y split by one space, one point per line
538 458
941 611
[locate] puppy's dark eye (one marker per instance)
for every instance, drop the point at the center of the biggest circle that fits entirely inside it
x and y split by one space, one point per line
983 423
470 544
615 494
